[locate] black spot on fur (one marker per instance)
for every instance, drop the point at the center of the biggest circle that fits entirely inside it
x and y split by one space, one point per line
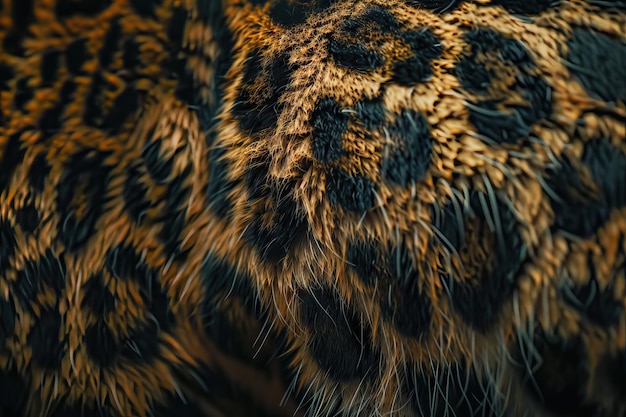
50 121
97 297
89 8
598 62
7 244
45 339
174 217
49 67
6 74
219 186
27 217
47 272
110 43
12 156
92 113
599 306
101 344
85 177
159 168
76 55
349 355
409 161
131 54
354 193
258 103
425 47
364 259
439 6
142 344
287 225
479 299
455 390
38 171
13 391
354 56
559 381
135 195
490 114
145 8
288 13
581 208
371 113
526 7
124 106
329 125
22 15
23 93
618 370
7 323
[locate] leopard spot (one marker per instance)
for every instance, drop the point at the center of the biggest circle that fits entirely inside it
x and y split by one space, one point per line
490 56
85 178
364 258
46 341
23 93
526 7
100 344
131 54
76 55
135 195
425 47
598 62
88 8
329 125
13 391
51 119
145 8
174 217
439 6
142 343
50 62
7 322
22 16
490 276
97 298
408 162
27 217
354 193
12 155
38 172
580 207
47 272
110 43
354 55
350 355
288 13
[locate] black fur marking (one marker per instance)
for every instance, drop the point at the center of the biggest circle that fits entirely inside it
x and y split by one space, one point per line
371 113
22 16
258 111
408 163
27 217
49 271
145 8
142 345
97 299
7 323
219 186
85 176
599 306
354 56
13 391
439 6
45 339
289 14
7 245
617 371
38 171
110 44
425 47
329 125
462 393
135 195
354 193
579 210
89 8
491 116
50 121
50 62
100 344
131 54
12 155
175 406
526 7
386 22
23 94
558 383
340 341
480 303
124 264
76 55
6 74
173 216
92 113
288 224
364 259
124 106
159 168
598 62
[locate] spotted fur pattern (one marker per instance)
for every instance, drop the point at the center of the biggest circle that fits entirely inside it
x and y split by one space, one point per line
364 208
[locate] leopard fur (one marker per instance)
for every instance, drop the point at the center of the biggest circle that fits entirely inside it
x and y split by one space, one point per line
315 208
